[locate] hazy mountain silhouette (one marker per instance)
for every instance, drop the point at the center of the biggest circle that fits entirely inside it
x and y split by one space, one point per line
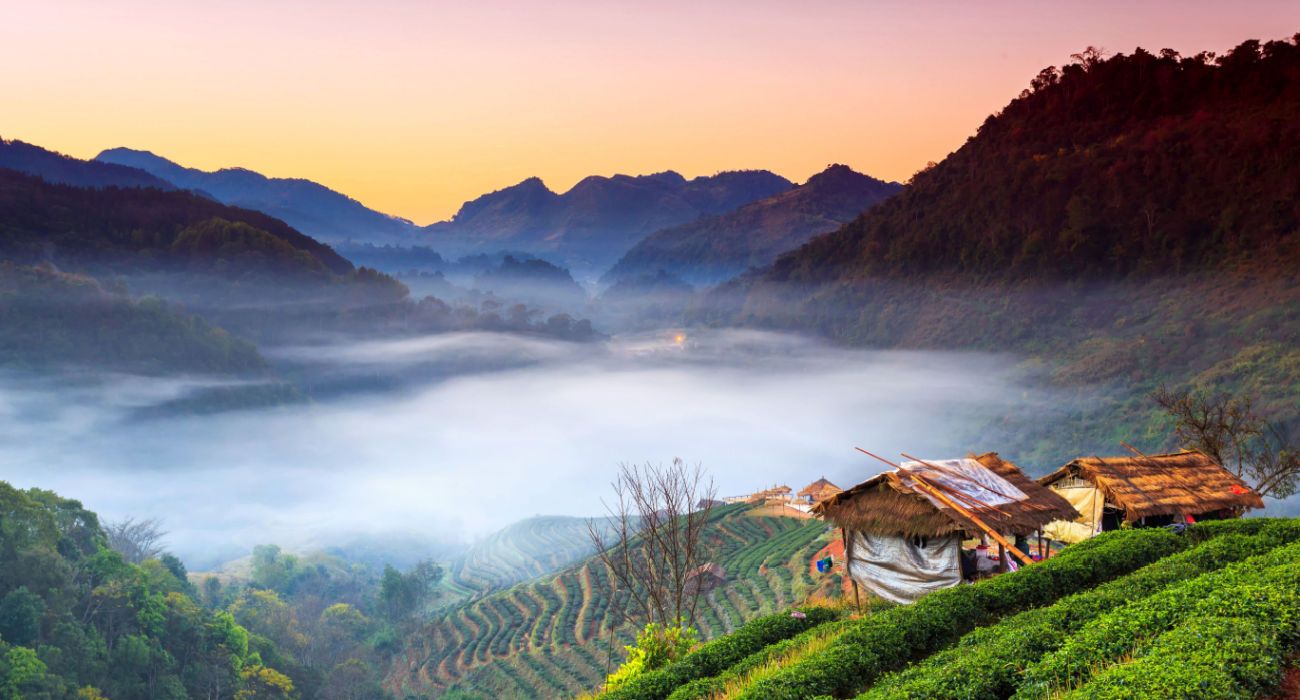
308 206
715 248
597 220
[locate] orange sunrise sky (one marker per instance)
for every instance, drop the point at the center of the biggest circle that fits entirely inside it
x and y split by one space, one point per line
415 107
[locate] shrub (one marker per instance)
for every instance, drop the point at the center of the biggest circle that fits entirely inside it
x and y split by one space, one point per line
887 641
1125 629
656 646
986 663
715 656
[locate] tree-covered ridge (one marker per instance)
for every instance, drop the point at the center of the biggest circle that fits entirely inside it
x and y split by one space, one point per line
56 167
52 318
127 229
1133 164
715 248
76 620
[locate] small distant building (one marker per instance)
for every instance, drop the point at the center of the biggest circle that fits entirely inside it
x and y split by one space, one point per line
776 493
709 503
705 578
1150 490
818 490
902 542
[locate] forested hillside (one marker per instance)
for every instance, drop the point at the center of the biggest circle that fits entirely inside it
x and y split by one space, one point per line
715 248
1126 222
76 620
131 229
547 637
58 168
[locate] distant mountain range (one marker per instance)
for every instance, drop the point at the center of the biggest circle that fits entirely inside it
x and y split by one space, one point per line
712 249
594 223
310 207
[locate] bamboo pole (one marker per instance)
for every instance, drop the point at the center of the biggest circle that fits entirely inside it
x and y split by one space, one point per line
946 500
857 602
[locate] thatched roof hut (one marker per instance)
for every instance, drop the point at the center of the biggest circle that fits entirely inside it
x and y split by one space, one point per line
886 504
902 542
819 490
1175 485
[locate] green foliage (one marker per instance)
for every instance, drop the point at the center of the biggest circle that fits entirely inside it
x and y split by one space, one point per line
656 646
718 654
886 641
1109 637
53 318
986 663
77 620
403 594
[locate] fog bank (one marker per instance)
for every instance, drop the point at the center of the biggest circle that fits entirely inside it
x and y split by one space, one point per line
476 430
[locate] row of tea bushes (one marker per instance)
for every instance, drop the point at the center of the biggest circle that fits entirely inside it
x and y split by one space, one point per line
986 663
888 641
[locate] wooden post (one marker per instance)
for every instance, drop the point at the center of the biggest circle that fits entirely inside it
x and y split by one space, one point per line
1002 559
857 601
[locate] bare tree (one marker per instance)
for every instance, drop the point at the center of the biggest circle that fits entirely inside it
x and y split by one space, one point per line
136 540
1230 431
653 544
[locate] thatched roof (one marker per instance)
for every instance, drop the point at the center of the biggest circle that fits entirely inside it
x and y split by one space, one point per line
1184 483
884 504
820 489
710 569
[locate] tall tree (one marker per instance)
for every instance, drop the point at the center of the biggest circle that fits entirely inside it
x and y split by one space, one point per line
1230 431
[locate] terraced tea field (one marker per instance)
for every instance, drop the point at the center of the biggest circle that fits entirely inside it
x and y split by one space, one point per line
1210 613
546 637
525 550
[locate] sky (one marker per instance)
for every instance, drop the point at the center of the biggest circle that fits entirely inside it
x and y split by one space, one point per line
414 107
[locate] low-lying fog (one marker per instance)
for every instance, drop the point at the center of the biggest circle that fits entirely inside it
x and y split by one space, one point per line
474 431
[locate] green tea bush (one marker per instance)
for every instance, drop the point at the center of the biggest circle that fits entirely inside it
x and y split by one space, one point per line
715 656
1122 631
889 640
986 663
1179 666
703 688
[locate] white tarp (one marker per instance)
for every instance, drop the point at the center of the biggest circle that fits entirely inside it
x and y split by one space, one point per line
903 569
1086 499
965 476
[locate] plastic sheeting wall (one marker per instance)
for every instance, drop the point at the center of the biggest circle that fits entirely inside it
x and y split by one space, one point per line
898 570
1086 499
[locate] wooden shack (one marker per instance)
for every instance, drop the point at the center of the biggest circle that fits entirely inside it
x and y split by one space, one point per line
705 578
1149 490
902 542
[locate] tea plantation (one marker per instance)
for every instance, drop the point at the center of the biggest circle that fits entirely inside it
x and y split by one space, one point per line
1213 612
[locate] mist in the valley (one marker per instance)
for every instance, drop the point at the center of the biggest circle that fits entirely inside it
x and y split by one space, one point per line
491 428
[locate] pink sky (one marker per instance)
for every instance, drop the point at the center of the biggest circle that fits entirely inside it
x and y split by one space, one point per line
414 107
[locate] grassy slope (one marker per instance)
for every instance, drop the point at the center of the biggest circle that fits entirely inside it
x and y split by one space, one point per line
545 637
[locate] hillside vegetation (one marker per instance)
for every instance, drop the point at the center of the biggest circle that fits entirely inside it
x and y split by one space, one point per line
1127 222
1212 613
548 637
